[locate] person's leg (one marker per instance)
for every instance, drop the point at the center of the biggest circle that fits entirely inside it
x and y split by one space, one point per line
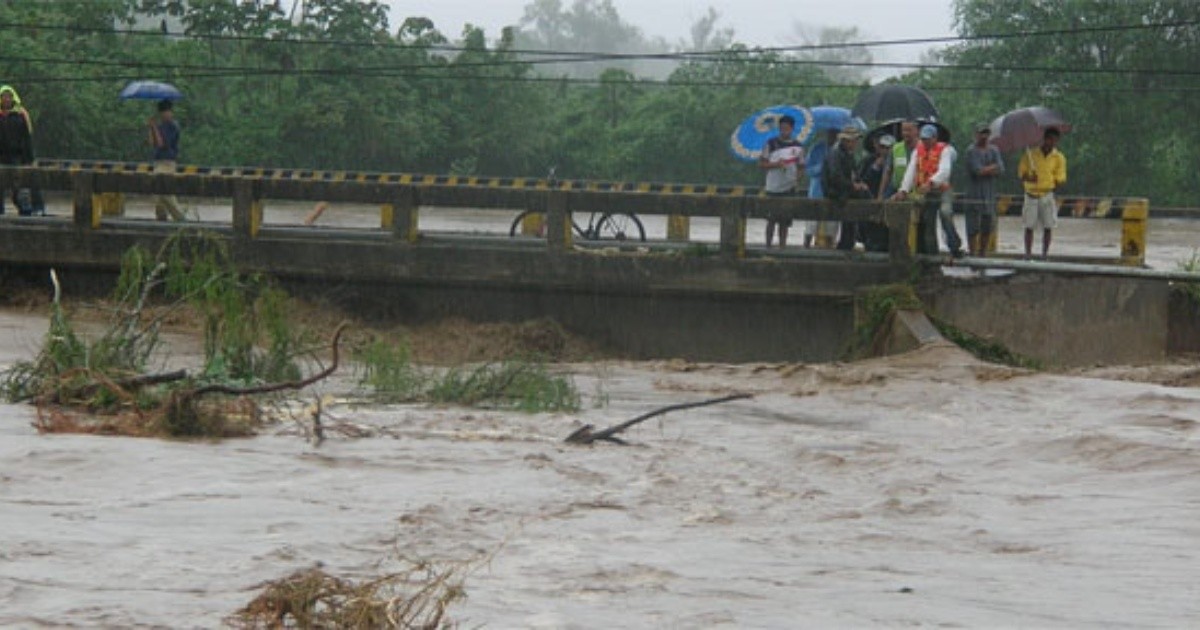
1030 214
847 238
783 233
946 218
971 221
1048 217
24 202
166 205
927 225
984 236
770 232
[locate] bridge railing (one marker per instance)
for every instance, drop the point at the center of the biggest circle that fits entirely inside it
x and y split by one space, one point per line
400 195
399 202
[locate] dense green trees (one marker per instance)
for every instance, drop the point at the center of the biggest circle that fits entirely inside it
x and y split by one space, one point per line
331 84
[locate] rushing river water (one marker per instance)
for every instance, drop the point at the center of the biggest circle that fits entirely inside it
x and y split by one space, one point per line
926 489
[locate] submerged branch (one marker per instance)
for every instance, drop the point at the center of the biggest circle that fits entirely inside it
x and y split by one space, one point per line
585 435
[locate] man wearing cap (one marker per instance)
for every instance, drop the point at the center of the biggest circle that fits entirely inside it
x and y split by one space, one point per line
1042 171
782 159
840 181
876 172
928 175
984 165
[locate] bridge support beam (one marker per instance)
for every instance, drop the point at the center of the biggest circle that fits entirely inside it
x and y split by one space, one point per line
84 211
247 207
901 220
1133 231
679 227
405 215
558 222
733 234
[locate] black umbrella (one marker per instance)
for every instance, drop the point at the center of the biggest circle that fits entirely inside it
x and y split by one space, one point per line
892 127
892 100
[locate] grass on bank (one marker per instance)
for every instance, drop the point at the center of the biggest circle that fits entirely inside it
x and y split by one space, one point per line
388 372
1191 265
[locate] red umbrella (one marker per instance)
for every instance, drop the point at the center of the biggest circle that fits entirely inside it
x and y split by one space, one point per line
1024 128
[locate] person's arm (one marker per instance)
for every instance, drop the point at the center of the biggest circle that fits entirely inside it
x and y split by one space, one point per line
26 140
156 140
910 172
764 160
945 163
1025 170
998 164
975 159
1060 171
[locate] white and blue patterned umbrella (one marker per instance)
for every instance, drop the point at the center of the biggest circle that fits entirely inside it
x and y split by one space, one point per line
751 136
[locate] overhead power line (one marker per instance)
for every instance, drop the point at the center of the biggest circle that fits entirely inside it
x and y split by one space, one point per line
477 78
629 56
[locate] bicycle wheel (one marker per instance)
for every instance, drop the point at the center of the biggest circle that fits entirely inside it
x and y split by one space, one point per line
619 226
516 229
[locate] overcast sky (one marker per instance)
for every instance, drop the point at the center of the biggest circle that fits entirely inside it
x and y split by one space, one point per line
755 22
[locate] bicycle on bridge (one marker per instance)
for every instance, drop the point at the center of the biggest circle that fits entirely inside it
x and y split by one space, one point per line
601 226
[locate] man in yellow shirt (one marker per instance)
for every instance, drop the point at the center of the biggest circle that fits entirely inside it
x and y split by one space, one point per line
1042 171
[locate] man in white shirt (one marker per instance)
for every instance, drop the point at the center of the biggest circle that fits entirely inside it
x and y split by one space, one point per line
928 175
783 160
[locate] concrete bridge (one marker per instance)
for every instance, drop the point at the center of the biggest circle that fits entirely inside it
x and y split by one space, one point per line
644 300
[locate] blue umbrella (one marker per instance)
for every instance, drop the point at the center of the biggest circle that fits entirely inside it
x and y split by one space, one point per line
751 136
150 91
828 117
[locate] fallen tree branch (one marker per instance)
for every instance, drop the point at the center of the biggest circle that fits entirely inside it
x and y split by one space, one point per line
585 435
275 387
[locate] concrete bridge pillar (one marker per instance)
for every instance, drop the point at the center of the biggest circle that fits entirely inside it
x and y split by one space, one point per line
247 207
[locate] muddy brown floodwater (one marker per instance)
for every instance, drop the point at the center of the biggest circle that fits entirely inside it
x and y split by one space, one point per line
927 489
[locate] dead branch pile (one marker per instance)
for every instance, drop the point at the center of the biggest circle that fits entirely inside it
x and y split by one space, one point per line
417 597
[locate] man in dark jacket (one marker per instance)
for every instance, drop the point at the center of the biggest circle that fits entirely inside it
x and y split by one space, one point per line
841 183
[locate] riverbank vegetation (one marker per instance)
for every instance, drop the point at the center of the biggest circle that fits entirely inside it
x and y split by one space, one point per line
122 380
266 82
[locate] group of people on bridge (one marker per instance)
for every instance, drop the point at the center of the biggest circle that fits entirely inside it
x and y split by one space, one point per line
917 166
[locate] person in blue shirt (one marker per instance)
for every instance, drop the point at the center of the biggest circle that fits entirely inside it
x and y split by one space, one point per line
164 137
819 233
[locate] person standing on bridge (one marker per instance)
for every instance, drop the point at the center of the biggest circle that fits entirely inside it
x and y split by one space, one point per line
164 137
902 152
819 233
984 165
16 148
1042 171
927 175
841 183
876 172
783 160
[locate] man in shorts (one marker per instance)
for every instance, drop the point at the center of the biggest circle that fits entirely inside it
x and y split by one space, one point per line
782 159
1042 171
